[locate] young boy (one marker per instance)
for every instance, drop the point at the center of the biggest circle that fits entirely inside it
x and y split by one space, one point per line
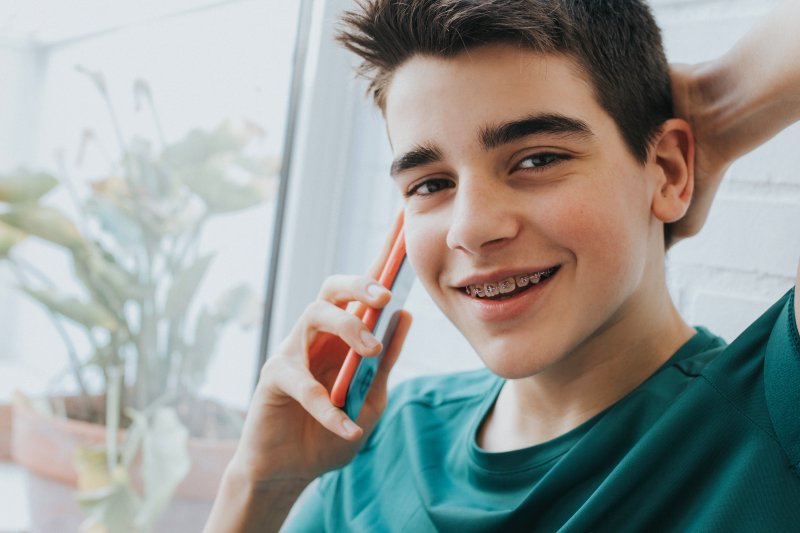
544 175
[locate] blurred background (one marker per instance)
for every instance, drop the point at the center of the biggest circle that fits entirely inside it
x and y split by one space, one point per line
176 179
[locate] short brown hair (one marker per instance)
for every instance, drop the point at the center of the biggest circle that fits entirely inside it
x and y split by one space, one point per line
615 43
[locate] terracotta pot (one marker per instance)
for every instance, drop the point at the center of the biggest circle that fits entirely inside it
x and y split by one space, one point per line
5 432
45 446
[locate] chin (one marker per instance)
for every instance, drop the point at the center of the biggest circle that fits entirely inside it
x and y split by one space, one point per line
508 361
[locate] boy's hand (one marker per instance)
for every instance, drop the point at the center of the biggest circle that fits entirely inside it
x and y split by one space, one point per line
293 431
711 155
737 102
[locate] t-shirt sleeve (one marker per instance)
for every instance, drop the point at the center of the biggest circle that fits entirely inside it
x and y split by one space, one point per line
782 381
308 513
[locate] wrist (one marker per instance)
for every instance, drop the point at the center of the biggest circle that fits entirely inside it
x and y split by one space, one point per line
245 505
260 478
726 109
741 100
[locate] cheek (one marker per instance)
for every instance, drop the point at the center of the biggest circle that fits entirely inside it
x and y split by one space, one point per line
600 226
424 248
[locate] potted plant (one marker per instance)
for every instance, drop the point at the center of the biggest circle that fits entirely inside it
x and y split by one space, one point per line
134 245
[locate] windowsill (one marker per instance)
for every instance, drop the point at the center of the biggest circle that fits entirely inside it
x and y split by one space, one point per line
15 517
13 494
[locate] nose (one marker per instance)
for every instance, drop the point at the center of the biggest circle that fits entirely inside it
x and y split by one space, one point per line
482 217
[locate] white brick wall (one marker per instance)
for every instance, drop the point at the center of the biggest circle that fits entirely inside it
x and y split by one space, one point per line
747 255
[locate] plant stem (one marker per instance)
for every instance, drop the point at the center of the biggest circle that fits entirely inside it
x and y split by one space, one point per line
75 364
18 264
113 406
177 260
103 90
156 119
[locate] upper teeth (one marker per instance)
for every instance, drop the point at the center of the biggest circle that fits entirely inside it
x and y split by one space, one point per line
482 290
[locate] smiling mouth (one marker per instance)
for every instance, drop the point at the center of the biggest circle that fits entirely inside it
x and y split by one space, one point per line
509 287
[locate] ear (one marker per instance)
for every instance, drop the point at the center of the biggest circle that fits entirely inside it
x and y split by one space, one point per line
672 159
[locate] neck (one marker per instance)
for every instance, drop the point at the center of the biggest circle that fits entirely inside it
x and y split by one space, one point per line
595 375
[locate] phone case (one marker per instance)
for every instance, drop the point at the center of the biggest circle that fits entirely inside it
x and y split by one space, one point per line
355 366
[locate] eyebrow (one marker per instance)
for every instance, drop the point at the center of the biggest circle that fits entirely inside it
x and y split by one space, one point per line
419 156
552 123
497 135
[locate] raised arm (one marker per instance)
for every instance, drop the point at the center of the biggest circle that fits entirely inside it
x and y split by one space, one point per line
292 432
737 102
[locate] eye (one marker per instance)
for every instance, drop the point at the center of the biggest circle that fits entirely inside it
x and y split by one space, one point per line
539 161
428 187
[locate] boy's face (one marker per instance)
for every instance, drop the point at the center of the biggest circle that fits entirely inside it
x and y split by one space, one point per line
511 167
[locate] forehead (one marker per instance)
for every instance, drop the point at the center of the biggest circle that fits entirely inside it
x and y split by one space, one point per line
442 99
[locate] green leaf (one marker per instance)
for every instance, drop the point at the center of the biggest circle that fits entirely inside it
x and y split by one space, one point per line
165 462
214 166
195 146
24 186
112 509
234 134
231 136
91 465
185 286
97 78
105 266
146 174
9 237
214 183
44 222
107 496
133 436
115 219
90 314
104 277
106 491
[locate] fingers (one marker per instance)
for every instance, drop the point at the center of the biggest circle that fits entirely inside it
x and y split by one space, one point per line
292 374
327 314
340 290
314 398
323 316
298 383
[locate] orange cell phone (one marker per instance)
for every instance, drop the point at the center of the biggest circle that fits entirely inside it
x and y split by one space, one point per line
355 377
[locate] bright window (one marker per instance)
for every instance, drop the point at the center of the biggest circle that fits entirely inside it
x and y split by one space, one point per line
160 127
169 68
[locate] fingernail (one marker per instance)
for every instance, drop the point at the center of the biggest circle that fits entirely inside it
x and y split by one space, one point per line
368 339
376 289
349 426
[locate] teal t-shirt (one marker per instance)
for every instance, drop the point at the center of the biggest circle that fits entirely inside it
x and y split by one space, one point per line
710 442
